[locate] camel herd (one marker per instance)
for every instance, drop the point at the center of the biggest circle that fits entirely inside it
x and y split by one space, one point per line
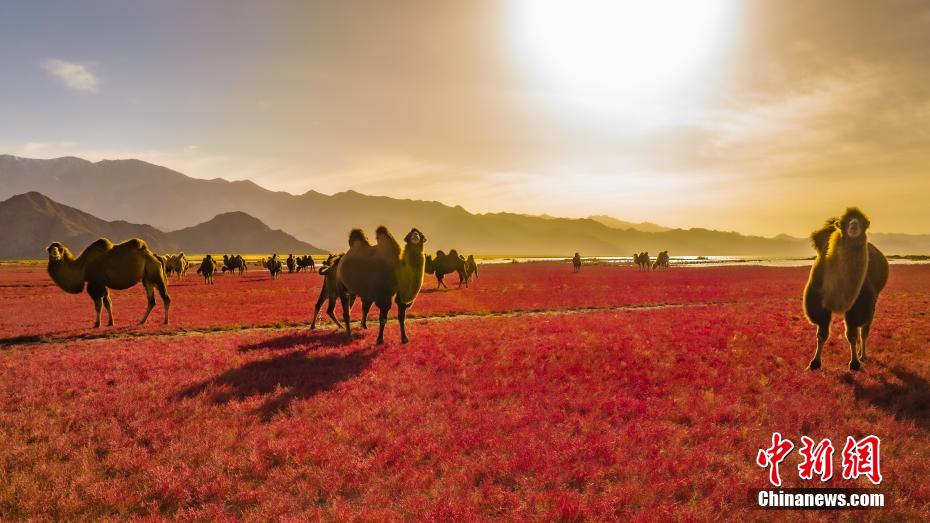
846 277
643 262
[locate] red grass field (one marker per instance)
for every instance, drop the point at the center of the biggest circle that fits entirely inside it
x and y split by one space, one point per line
591 409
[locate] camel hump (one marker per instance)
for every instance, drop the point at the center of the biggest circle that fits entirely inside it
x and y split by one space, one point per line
820 238
102 243
357 236
440 254
453 252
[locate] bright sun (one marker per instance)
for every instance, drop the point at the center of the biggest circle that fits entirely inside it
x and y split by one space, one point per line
636 49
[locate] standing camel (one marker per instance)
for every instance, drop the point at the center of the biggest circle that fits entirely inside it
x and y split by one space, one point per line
207 268
377 273
846 278
332 290
445 264
576 263
103 266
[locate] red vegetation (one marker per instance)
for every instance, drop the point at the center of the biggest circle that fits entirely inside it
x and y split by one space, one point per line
34 307
640 414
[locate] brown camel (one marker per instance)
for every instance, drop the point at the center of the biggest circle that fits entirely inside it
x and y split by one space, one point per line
377 273
291 263
207 268
662 261
576 263
305 262
177 264
445 264
274 266
103 266
471 267
332 290
846 278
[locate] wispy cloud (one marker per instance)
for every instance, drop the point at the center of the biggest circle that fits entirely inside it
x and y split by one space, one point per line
74 75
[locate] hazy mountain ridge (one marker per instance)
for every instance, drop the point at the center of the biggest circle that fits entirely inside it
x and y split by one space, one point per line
31 221
144 193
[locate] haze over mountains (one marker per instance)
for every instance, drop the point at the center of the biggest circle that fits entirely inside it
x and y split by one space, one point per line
138 192
31 221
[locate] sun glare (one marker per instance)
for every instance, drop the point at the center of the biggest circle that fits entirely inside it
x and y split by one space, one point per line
637 50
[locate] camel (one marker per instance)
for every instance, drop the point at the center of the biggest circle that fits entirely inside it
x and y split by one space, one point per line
471 267
662 261
846 278
377 273
234 263
332 290
104 266
291 263
274 266
444 264
641 260
576 263
177 264
305 262
207 268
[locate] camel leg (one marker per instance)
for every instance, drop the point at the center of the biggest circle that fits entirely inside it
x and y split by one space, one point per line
330 310
319 305
366 306
165 299
98 301
852 335
109 307
344 300
401 317
823 332
383 309
150 295
863 340
96 294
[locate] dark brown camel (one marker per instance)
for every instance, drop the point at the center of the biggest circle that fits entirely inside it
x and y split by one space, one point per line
377 273
332 290
103 266
207 268
444 264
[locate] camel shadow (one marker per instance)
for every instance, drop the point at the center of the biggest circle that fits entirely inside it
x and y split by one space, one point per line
312 339
287 378
909 399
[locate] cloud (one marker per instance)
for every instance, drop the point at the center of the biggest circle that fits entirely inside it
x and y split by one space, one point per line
74 75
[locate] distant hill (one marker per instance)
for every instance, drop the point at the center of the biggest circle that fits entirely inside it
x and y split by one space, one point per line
31 221
238 232
144 193
614 223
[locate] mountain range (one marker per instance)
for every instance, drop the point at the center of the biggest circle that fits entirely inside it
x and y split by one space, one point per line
31 221
143 193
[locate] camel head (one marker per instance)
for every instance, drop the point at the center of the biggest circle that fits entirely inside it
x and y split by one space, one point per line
57 252
853 224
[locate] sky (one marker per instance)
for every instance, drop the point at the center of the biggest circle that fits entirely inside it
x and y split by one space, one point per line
762 117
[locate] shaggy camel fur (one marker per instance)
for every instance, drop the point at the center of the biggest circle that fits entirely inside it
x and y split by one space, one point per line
177 264
846 278
641 260
662 261
103 266
377 273
332 290
445 264
207 268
